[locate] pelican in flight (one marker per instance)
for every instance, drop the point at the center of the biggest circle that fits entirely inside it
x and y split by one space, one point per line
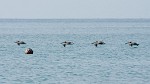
98 43
20 42
67 43
132 43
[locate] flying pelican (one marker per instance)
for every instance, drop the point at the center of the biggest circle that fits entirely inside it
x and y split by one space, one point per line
20 42
98 43
67 43
132 43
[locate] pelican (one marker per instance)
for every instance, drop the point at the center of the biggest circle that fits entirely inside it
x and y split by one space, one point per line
28 51
20 42
67 43
98 43
132 43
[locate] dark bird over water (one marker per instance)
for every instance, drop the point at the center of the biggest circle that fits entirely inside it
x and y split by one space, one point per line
20 42
98 43
67 43
132 43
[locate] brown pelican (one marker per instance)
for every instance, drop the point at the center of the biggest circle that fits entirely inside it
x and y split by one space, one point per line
132 43
20 42
67 43
98 43
28 51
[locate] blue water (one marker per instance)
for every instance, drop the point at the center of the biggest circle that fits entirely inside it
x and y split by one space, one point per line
81 63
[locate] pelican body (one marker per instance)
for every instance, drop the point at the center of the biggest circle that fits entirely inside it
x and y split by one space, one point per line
132 43
67 43
98 43
20 42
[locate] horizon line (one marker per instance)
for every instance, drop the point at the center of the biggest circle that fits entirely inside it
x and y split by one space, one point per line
68 18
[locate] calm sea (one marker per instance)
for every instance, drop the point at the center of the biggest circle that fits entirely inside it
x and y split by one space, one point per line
81 63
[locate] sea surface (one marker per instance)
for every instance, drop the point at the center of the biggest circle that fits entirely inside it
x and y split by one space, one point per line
81 63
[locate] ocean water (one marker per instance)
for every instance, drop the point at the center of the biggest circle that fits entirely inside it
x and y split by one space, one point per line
81 63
